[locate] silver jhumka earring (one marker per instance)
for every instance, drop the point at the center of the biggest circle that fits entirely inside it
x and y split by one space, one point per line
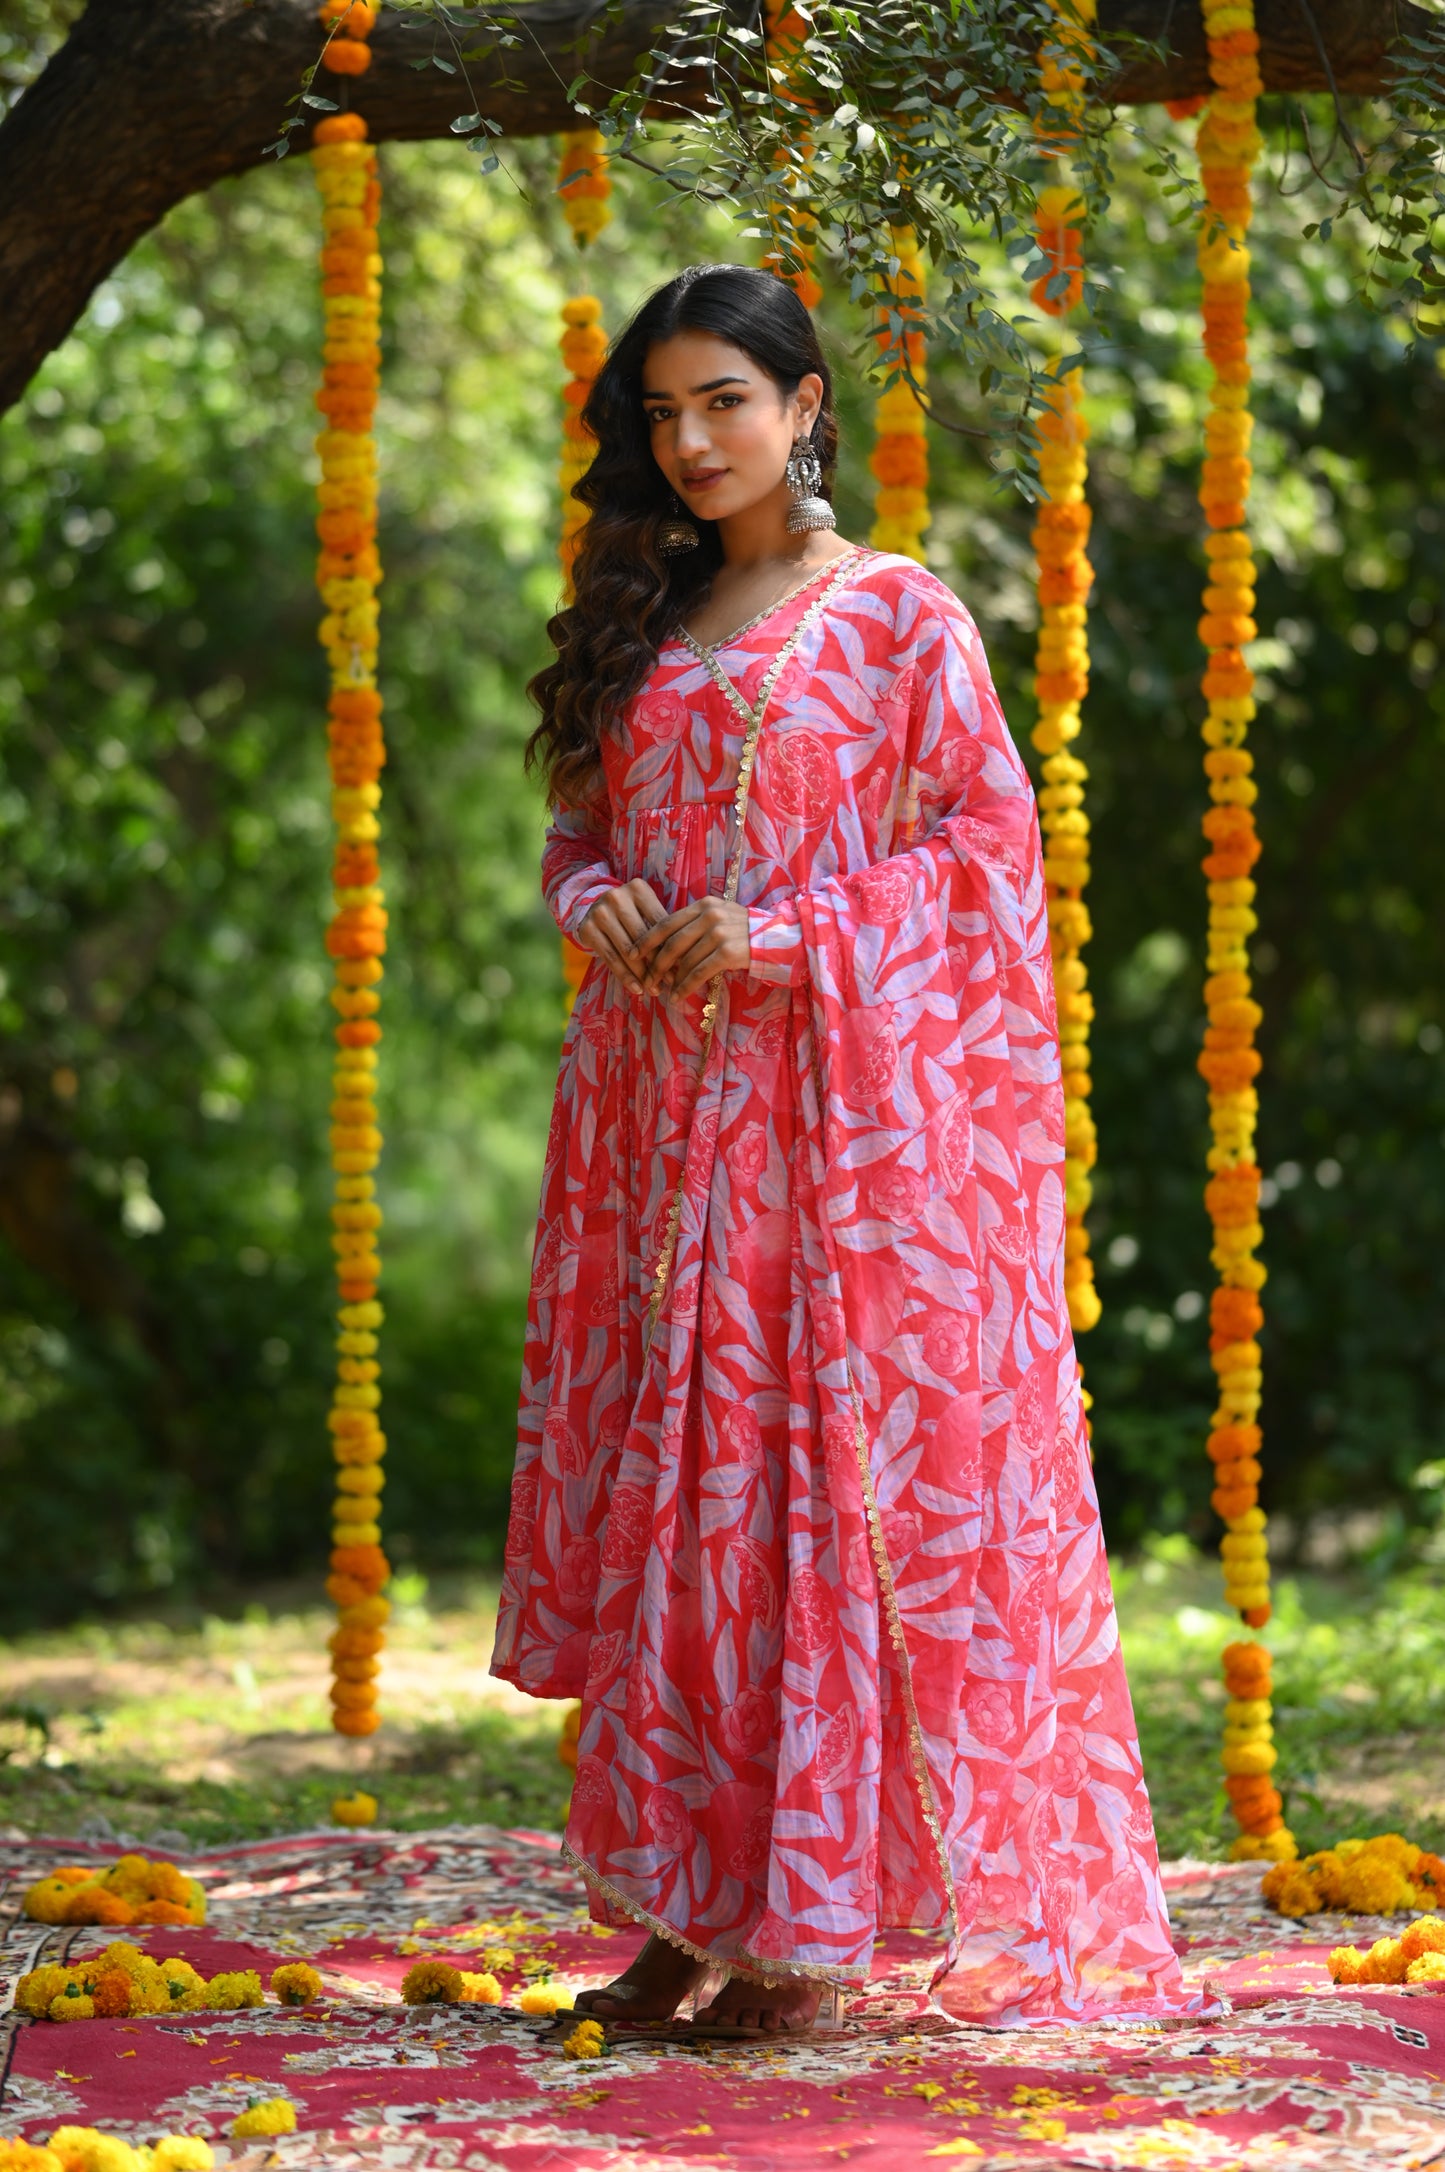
677 533
804 478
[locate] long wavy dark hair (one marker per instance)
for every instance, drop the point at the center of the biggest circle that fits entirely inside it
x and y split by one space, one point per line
629 598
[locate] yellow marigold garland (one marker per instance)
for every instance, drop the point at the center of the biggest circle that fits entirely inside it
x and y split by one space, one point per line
792 226
1378 1877
91 2149
1229 143
130 1890
1060 539
347 574
585 187
121 1983
899 460
355 1809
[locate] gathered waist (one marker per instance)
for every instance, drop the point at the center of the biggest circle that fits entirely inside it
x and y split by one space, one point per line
682 850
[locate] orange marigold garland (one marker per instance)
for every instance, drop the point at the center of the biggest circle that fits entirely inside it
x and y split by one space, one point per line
1060 539
792 226
1229 143
585 187
347 575
899 460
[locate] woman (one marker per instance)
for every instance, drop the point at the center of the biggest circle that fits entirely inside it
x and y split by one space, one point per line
802 1509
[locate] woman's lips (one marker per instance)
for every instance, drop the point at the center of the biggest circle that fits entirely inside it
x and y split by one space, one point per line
705 480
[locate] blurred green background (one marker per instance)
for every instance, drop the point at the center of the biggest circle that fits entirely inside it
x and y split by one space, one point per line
164 848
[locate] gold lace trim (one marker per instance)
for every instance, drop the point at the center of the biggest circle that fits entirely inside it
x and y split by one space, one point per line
922 1778
769 1973
710 648
754 716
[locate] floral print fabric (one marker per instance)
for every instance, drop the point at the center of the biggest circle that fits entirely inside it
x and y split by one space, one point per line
823 1558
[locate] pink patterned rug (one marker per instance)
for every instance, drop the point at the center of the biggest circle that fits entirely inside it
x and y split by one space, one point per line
1297 2076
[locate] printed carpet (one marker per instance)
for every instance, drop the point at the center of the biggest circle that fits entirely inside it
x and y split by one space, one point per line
1296 2076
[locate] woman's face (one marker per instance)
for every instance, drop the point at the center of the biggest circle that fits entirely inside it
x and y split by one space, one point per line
721 428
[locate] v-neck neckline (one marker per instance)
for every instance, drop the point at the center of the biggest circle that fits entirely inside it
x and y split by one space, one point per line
706 649
752 713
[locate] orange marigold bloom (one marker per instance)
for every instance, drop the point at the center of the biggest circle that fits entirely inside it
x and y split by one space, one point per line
347 56
110 1994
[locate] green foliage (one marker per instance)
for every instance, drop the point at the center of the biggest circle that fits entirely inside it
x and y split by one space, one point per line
214 1728
164 1270
164 1314
907 111
1346 509
1359 1692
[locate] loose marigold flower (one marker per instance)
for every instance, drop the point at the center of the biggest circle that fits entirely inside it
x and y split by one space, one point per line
429 1981
296 1983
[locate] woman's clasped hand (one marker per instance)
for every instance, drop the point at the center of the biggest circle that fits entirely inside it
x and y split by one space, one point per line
654 952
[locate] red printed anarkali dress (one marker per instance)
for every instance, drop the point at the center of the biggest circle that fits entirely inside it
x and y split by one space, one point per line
819 1548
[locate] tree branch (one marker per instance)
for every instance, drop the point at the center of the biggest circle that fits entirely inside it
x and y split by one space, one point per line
1328 45
149 101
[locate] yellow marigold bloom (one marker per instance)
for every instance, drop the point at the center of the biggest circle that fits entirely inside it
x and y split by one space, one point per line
1384 1963
1371 1886
546 1998
86 2149
182 2153
1428 1968
46 1901
480 1990
296 1984
585 2042
1395 1848
72 2005
234 1989
1425 1935
34 1992
265 2115
1277 1847
432 1980
1294 1891
18 2156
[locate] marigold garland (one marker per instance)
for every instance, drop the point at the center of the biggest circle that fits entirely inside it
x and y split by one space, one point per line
1229 142
792 224
1378 1877
355 1810
899 460
1417 1956
91 2149
347 574
131 1890
121 1983
585 187
1061 663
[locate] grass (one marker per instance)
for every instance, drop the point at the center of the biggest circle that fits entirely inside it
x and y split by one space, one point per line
215 1729
218 1729
1359 1693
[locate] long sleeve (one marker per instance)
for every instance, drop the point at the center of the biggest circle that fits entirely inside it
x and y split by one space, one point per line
576 865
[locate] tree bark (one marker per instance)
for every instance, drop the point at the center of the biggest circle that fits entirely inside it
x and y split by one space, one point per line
149 101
